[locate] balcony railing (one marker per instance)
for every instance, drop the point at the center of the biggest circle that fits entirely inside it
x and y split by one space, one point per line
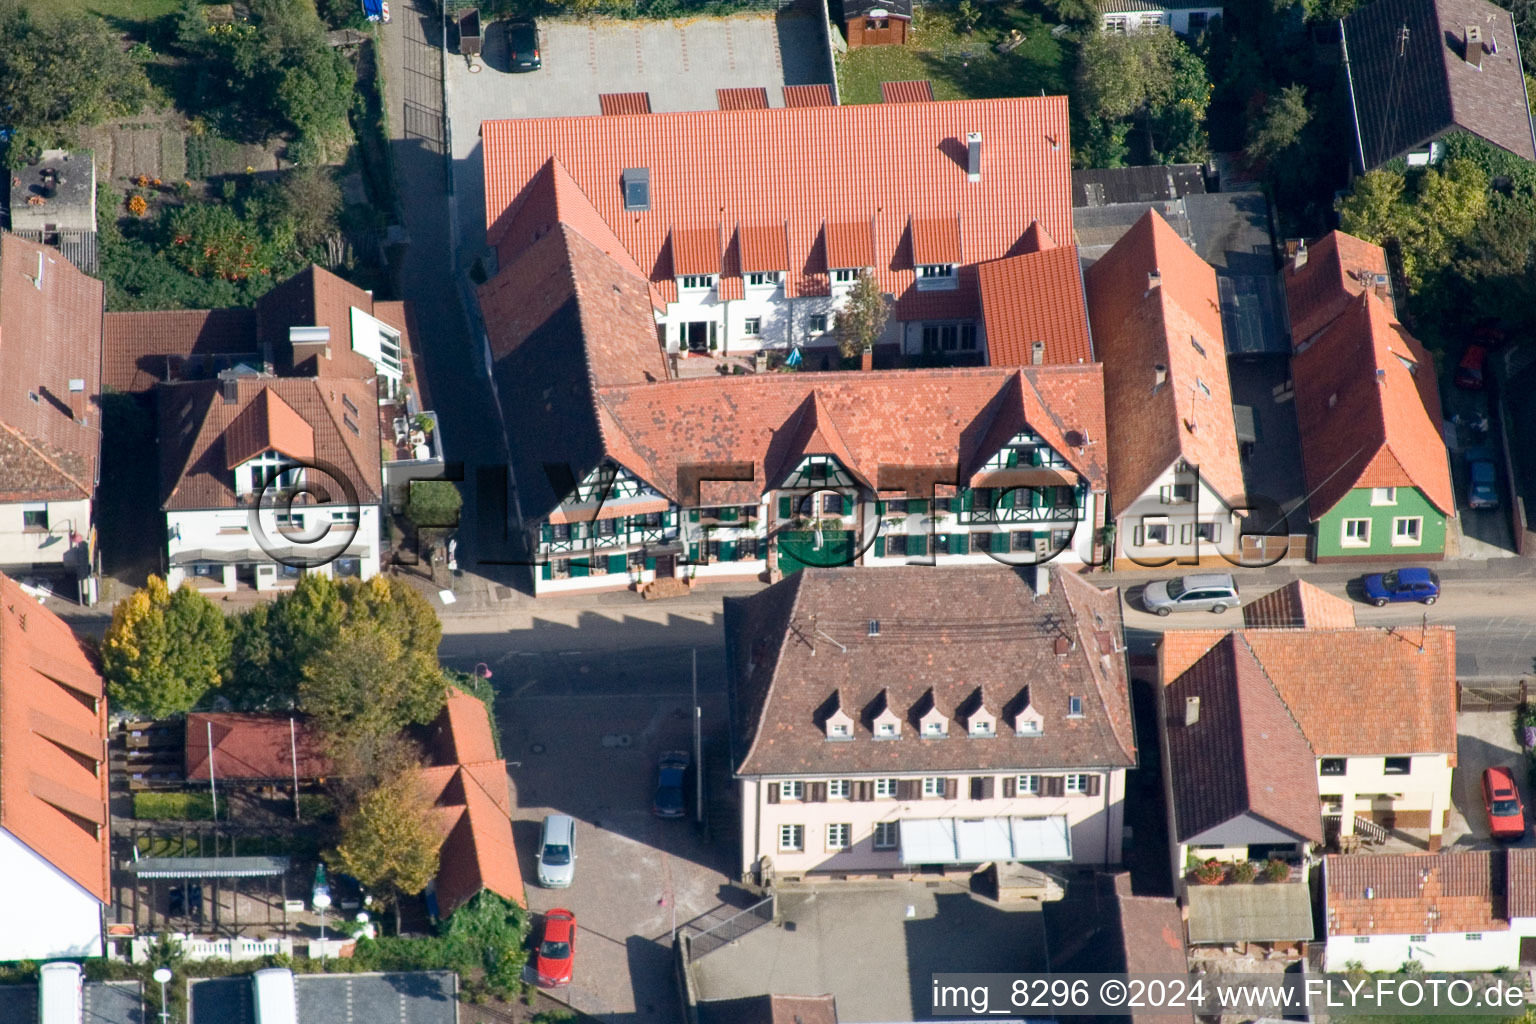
1026 514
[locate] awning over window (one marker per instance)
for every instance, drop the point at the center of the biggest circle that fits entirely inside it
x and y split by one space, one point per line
977 840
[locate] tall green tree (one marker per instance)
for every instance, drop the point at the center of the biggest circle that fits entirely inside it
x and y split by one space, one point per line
434 503
163 650
1420 227
862 317
1151 79
1280 125
388 841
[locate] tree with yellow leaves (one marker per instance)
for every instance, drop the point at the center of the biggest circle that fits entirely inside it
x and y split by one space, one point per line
163 650
388 840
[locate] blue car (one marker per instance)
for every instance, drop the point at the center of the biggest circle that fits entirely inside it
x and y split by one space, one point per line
670 771
1482 485
1402 585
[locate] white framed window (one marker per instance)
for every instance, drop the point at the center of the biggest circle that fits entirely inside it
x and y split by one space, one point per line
839 837
1418 938
1383 495
818 323
845 275
838 731
698 282
887 835
1076 785
351 517
792 790
1198 347
838 789
940 276
1357 533
1204 388
933 787
1407 531
1074 707
1474 936
1028 727
791 838
886 730
885 788
765 279
1115 25
1176 494
1362 940
1209 532
1029 785
752 326
34 516
935 728
981 727
1151 20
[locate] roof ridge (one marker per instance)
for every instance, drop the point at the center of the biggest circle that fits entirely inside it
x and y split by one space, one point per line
1242 637
1096 670
773 677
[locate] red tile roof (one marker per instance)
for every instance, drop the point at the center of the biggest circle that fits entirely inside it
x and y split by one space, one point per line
315 297
253 747
267 424
849 244
50 334
462 732
764 247
1413 893
53 746
1338 269
936 240
1299 605
755 98
1366 418
1153 302
1036 296
808 96
705 168
920 91
696 250
139 350
618 103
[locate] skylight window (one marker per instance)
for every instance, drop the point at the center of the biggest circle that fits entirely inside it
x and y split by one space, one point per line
637 188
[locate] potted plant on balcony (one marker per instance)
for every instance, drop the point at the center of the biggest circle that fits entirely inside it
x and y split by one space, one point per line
1211 872
1243 872
1277 870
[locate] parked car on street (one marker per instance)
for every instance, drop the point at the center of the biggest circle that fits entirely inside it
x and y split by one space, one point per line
557 851
1482 478
1202 592
555 960
523 46
1473 365
1501 799
1384 588
671 767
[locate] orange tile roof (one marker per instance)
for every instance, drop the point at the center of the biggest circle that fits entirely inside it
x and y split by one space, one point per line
1338 268
1152 301
808 96
919 91
936 240
1035 296
615 104
754 98
696 251
253 747
705 168
764 247
850 245
1361 691
1366 419
139 350
1413 893
1299 605
462 732
267 424
53 747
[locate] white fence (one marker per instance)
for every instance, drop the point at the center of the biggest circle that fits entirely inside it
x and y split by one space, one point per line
216 949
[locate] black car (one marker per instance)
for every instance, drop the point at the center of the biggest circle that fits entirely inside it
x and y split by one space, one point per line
523 45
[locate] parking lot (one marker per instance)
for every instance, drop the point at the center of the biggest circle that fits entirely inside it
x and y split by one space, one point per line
679 64
106 1002
425 997
1485 739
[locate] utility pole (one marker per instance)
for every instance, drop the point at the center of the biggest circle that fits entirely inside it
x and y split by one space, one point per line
293 750
698 746
213 788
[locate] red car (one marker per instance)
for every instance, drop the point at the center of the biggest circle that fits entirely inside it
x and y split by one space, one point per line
1470 371
1501 798
556 957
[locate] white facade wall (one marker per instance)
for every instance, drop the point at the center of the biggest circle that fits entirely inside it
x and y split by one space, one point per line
1179 20
229 532
783 322
1365 786
23 546
1446 951
43 912
1096 822
1182 517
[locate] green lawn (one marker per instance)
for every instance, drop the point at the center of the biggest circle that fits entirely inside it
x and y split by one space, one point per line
960 65
173 806
119 12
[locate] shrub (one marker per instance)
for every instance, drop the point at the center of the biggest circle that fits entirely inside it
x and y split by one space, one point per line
1277 870
1211 872
173 806
137 206
1244 871
315 805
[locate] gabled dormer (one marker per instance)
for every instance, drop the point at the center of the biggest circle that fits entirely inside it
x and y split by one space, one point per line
884 723
1022 714
979 721
834 721
267 444
930 722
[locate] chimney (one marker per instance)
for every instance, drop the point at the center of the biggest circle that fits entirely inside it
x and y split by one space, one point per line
1472 46
1154 280
309 343
1299 257
230 386
867 359
1191 710
77 399
1036 353
1382 285
1159 375
973 156
1042 580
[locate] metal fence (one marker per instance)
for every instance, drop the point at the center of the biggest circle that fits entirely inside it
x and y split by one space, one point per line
731 929
1492 696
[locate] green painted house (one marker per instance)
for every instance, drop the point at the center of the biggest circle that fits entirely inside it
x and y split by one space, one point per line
1378 479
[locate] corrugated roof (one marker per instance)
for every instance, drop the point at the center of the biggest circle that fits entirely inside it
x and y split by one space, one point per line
754 98
618 103
808 96
1034 297
920 91
1249 913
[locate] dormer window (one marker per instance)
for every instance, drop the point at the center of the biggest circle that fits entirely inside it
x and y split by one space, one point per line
698 282
936 277
845 275
839 731
1029 726
982 726
1074 707
887 730
765 279
935 728
269 470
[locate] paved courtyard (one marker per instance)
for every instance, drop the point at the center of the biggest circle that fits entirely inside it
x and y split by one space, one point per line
424 997
1484 739
875 947
679 63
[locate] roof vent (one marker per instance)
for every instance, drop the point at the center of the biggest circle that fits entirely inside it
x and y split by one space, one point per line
1063 647
637 188
1299 257
1154 280
1191 710
1381 377
1159 375
973 156
874 627
1472 46
1333 400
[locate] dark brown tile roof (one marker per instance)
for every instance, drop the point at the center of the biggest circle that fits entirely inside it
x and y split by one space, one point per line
1153 302
808 96
933 645
919 91
253 747
315 297
1299 605
195 424
614 104
1415 893
142 349
1412 83
755 98
1244 755
1035 296
50 334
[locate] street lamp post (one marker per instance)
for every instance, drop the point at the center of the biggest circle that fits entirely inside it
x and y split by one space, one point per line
163 975
322 900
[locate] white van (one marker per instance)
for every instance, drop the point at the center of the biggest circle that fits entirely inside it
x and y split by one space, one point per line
557 851
276 1000
60 994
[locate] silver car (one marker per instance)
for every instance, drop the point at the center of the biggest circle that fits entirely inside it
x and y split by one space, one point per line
557 851
1207 591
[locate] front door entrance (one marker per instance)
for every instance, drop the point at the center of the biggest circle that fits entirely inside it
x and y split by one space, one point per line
666 566
698 336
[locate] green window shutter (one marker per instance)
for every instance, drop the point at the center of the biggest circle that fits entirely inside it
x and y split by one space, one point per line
967 499
730 515
546 535
941 544
845 504
1037 498
917 505
727 551
1013 457
546 572
578 567
999 542
879 547
693 515
1036 457
650 563
786 508
1005 500
693 552
617 563
917 544
879 508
